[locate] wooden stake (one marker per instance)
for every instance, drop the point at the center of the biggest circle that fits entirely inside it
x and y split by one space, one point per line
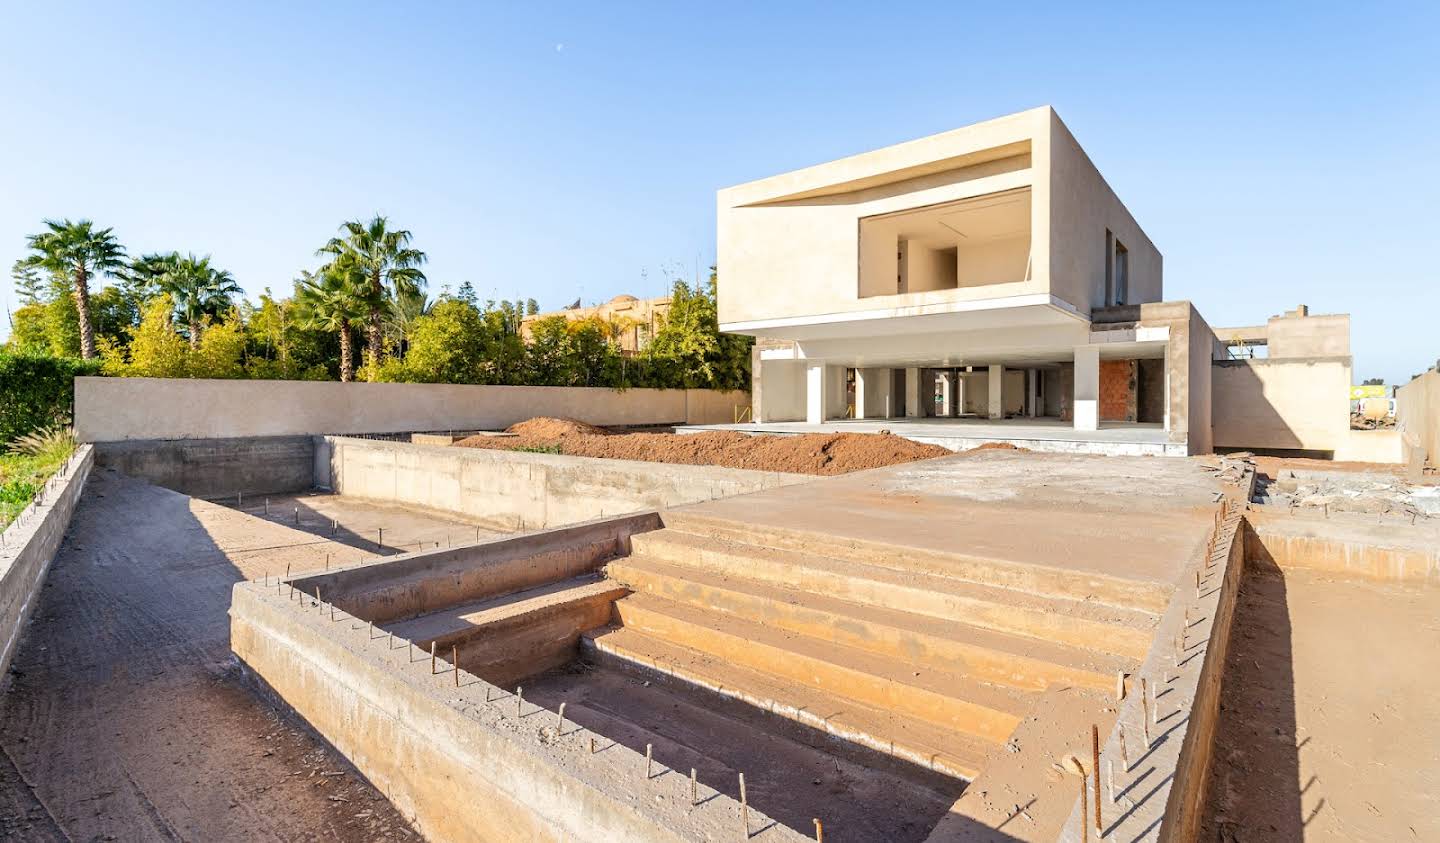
432 658
649 760
592 744
1124 754
819 831
1110 778
455 663
519 698
694 790
560 720
1119 684
1095 770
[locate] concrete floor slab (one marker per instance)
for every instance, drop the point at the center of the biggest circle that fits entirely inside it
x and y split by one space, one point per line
1131 518
958 434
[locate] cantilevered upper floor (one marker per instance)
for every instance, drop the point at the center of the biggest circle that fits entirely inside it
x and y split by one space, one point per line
1002 223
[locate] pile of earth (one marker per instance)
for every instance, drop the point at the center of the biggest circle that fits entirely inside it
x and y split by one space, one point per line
812 453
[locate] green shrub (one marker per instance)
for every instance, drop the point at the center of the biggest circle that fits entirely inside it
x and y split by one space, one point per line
37 390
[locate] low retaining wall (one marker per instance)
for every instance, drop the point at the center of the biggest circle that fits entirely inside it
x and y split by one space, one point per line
415 583
114 409
513 490
1162 796
1417 415
215 468
1344 545
30 543
461 758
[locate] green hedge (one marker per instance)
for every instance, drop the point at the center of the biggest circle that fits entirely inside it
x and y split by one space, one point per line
36 390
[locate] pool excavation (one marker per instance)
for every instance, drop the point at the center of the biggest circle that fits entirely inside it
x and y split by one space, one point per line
362 639
770 667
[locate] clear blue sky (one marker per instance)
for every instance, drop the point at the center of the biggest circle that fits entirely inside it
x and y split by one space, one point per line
555 151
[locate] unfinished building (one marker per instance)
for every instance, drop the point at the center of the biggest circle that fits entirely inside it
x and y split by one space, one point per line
986 284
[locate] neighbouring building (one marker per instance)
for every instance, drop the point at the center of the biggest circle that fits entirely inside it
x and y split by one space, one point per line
986 283
633 321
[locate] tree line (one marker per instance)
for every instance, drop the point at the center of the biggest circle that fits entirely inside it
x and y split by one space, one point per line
363 313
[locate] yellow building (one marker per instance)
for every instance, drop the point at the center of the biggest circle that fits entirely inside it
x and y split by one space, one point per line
633 321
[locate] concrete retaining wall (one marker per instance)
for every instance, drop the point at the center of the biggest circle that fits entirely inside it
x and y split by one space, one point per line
30 544
1417 414
451 751
1282 404
212 468
416 583
511 490
114 409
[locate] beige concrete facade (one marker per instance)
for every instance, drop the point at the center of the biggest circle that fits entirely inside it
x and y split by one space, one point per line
1418 417
632 321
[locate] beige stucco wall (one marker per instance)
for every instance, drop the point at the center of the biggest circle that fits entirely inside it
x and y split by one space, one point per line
1290 404
1325 335
789 246
1417 415
1082 207
114 409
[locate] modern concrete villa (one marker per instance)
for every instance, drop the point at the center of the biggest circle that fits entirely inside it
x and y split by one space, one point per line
977 285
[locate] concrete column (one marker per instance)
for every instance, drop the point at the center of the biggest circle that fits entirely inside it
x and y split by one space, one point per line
997 392
1032 378
816 385
957 395
947 392
872 393
1087 387
913 410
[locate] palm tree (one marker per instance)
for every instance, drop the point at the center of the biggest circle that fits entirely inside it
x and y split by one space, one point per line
78 251
387 264
198 290
332 299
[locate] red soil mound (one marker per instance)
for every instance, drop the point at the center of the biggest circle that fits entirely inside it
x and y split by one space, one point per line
544 427
815 453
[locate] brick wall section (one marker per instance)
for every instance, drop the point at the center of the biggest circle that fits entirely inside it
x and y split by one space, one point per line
1118 390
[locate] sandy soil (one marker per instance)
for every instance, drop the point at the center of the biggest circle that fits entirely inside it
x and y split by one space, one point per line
127 718
1330 725
859 796
818 453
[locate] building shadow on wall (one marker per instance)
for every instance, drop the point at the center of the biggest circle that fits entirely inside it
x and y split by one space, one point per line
1255 788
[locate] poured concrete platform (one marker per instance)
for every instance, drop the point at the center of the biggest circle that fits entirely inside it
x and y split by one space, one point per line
960 434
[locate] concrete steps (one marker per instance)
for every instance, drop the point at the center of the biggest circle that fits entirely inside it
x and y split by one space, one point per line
1001 573
1124 632
504 639
941 749
976 708
959 648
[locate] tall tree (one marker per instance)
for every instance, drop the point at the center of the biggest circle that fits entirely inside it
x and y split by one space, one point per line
333 300
78 251
198 290
388 265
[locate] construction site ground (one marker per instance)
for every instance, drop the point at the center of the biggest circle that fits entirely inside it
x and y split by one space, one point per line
363 524
127 717
1329 727
792 773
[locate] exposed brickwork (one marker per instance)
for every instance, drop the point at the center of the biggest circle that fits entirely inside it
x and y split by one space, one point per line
1118 390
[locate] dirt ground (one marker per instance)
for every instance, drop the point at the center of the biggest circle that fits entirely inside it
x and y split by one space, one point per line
127 718
1330 724
817 453
790 772
358 523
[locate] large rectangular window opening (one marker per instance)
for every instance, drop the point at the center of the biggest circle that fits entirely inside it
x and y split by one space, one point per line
970 243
